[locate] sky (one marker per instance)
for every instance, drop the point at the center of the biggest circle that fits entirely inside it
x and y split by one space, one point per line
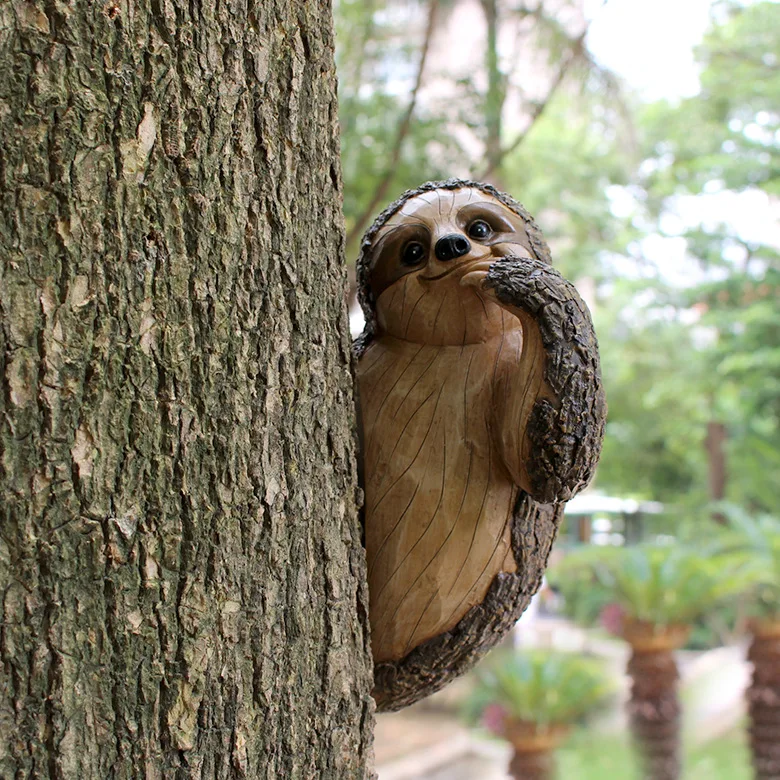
649 42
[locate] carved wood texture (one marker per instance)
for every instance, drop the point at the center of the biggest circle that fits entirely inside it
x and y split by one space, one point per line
482 412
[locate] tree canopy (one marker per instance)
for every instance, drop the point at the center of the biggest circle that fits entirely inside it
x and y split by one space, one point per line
648 200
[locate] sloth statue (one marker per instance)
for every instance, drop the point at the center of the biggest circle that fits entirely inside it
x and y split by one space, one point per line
481 413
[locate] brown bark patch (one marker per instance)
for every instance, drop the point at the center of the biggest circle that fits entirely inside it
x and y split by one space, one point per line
654 712
763 696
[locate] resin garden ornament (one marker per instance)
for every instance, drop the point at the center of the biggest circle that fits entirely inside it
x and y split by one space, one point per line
482 413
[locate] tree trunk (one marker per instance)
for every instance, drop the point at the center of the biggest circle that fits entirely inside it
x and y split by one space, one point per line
763 697
183 584
534 746
715 443
495 96
536 765
654 712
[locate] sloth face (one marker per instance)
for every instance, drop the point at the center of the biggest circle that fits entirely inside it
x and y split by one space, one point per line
428 262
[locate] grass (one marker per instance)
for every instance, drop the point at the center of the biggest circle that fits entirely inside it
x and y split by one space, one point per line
722 759
586 756
589 757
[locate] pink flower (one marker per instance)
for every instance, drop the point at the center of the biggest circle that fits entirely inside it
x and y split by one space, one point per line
612 617
493 718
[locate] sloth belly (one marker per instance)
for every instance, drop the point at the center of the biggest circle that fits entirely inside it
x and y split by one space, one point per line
438 499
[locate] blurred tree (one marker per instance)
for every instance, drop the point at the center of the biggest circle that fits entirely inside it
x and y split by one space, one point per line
383 182
694 374
389 141
395 134
754 541
565 169
539 31
532 699
657 591
653 371
692 371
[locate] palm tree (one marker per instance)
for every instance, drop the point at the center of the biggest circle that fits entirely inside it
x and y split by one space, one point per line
659 589
755 542
763 697
531 699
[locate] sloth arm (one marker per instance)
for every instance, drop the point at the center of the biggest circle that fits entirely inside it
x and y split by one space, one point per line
549 415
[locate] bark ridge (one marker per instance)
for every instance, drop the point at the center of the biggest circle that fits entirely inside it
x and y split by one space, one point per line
182 579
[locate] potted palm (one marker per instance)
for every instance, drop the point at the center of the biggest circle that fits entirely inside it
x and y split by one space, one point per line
531 699
657 590
755 542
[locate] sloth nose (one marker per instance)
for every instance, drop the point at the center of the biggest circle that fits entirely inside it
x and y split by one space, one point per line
450 247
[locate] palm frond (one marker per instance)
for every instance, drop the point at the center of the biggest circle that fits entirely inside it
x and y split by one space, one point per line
540 687
664 583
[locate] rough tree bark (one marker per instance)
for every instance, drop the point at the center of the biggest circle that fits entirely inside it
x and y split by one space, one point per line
533 756
763 697
181 572
654 712
654 708
715 443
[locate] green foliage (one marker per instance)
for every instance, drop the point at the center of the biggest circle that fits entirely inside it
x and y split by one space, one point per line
540 687
586 595
589 756
583 593
753 542
376 60
366 145
379 43
715 627
735 115
745 363
658 406
659 583
562 173
677 358
604 175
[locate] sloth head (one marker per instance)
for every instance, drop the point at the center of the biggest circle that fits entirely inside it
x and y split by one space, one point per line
423 260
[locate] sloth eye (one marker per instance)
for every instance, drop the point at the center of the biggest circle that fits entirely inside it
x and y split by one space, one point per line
479 229
412 253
